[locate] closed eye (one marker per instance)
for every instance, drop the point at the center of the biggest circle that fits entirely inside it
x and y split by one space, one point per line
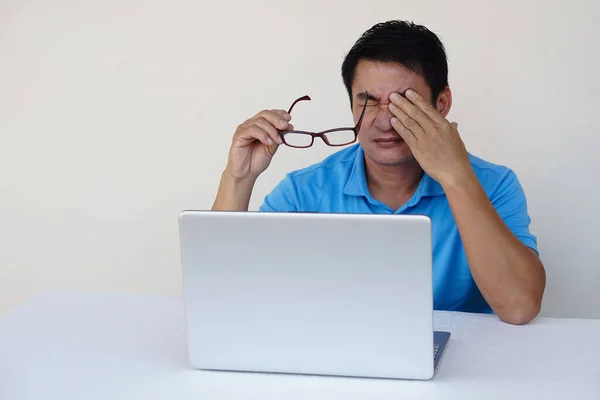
368 97
369 104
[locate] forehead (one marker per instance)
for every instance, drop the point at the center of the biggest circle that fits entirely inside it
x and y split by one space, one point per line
381 79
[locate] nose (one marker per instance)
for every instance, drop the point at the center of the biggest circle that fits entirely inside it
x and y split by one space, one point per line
383 119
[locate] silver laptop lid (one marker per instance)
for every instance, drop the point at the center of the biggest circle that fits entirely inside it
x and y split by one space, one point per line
332 294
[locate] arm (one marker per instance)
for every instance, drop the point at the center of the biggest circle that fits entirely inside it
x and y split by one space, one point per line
254 144
234 194
509 274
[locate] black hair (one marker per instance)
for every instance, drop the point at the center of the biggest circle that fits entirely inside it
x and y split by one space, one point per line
414 46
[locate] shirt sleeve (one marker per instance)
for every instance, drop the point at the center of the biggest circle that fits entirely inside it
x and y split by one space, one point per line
283 198
510 202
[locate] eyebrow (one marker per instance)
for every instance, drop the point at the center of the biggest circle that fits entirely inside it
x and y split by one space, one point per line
363 95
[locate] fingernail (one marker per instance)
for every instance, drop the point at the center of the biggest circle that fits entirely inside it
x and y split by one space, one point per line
409 93
279 140
394 121
283 123
395 97
270 141
287 116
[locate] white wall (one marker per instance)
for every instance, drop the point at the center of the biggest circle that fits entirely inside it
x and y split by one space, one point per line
116 115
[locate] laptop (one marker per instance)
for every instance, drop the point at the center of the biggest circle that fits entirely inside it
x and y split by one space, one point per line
310 293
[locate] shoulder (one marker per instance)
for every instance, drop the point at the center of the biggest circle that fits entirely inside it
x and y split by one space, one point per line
498 181
507 195
486 168
490 175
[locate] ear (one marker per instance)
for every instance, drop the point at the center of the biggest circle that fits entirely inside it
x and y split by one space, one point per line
444 102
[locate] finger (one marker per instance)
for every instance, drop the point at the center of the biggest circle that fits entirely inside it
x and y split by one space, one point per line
270 129
454 124
409 110
254 132
278 121
412 110
407 121
424 106
283 113
409 137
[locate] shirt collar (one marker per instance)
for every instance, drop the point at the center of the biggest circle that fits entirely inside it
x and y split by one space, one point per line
356 185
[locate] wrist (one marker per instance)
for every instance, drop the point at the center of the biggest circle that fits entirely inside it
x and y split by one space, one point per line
234 193
232 180
461 179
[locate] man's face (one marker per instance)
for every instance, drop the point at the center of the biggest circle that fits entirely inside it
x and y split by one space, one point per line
380 142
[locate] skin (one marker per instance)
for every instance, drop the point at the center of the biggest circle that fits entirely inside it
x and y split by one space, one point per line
403 137
253 146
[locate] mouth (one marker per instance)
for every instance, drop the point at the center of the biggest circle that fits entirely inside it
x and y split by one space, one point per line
389 140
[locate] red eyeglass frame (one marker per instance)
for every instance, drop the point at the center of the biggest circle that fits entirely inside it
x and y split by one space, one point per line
322 134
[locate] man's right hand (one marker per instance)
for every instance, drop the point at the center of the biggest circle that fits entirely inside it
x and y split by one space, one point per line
255 142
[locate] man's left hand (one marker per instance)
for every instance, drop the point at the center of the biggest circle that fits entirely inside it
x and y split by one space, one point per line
434 142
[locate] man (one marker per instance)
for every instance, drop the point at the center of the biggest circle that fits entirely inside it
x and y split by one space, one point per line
408 160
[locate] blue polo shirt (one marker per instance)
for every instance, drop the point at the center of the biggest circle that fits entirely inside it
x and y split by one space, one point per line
338 185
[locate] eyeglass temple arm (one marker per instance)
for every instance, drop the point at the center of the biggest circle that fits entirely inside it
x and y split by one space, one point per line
303 98
297 100
357 129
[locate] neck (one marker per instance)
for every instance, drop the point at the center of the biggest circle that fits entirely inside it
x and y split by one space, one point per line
393 185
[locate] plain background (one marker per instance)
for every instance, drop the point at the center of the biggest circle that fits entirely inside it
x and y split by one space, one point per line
116 115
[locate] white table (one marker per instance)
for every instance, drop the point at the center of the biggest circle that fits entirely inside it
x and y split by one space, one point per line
108 346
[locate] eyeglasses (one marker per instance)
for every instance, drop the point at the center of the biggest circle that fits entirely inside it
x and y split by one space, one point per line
331 137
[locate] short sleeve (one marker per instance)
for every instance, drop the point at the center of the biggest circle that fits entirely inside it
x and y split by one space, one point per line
510 202
283 198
